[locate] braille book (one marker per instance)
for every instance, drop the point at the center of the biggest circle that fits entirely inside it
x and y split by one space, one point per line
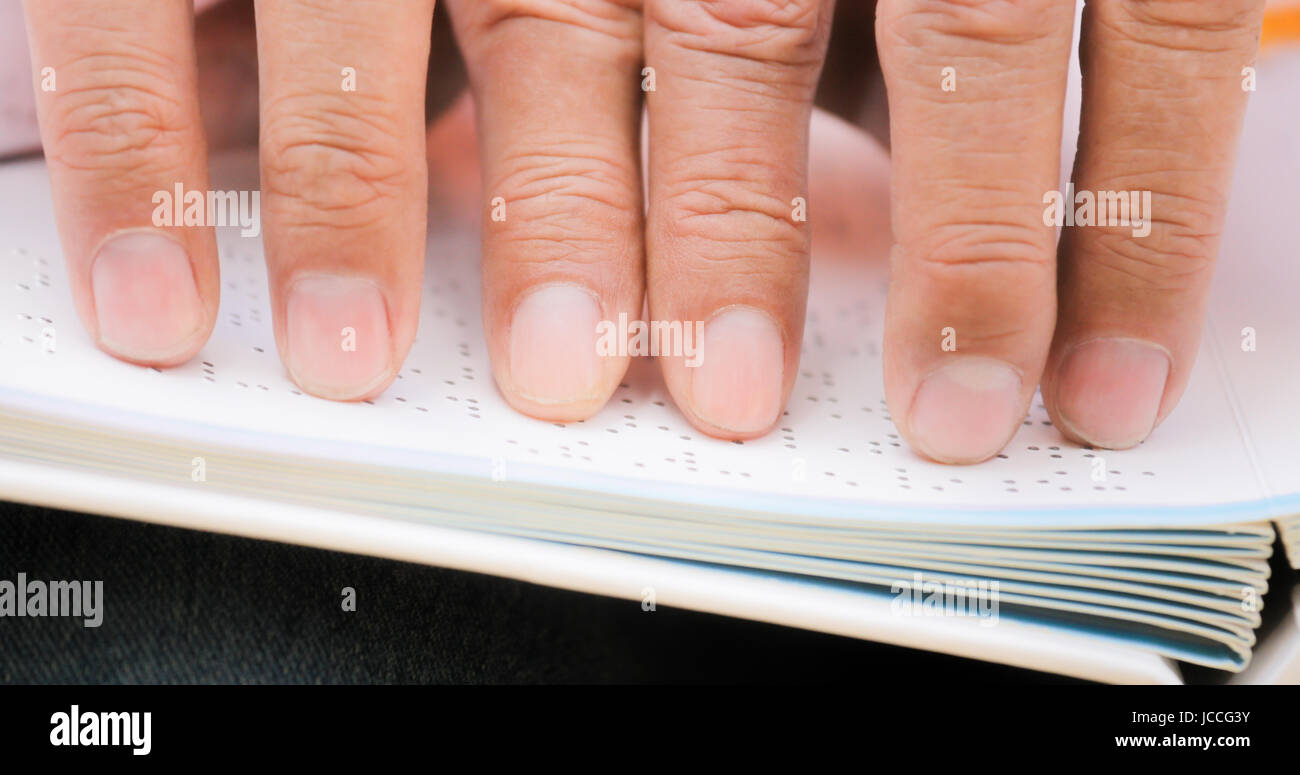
1109 565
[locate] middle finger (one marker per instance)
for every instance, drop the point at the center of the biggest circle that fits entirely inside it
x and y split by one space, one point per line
345 185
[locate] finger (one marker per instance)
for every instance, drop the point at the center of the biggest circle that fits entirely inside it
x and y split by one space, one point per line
344 185
119 117
1162 108
971 298
727 244
556 90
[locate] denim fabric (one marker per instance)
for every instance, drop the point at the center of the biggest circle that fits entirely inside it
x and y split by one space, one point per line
189 607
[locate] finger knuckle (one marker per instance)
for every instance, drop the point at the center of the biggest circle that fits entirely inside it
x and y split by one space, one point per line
1177 255
571 200
727 216
1219 30
327 162
1185 17
1009 250
994 283
784 32
921 24
616 18
126 120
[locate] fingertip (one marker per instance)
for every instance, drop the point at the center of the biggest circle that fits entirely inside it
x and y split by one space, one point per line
338 342
148 309
1108 391
558 365
966 410
737 387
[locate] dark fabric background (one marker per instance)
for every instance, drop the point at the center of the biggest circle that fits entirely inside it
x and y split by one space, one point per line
190 607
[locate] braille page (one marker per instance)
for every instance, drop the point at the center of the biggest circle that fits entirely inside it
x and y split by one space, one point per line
836 453
1254 320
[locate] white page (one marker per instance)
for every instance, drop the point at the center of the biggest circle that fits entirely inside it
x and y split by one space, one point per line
1258 282
444 412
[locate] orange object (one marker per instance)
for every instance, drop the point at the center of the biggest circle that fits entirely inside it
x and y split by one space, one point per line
1281 25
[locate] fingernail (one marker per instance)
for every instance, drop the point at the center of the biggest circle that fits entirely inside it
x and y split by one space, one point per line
337 336
737 386
966 410
147 305
553 357
1109 391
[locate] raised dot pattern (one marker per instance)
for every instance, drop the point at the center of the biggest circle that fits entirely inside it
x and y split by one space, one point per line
835 439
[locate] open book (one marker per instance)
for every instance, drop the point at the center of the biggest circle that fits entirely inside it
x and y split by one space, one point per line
1093 563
